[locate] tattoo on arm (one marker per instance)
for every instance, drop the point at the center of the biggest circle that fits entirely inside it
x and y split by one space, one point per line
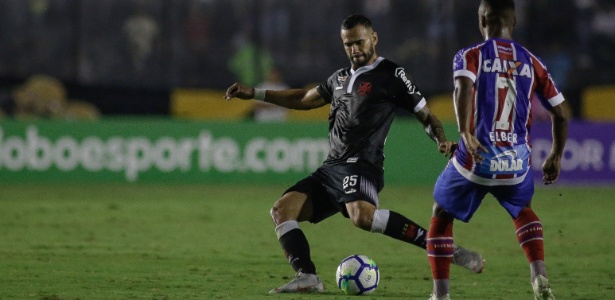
436 132
432 125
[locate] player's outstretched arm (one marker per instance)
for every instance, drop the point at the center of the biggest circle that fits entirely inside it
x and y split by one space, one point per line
552 164
299 99
240 91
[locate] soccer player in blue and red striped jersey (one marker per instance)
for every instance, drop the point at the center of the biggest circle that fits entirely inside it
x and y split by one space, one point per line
494 84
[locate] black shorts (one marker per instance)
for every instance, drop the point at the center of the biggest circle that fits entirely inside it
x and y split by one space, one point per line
330 187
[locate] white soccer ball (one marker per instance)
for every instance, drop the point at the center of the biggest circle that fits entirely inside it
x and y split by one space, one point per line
357 275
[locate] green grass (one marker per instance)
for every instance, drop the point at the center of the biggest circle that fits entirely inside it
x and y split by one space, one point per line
217 242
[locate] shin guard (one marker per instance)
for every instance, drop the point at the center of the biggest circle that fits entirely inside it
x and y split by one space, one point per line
529 234
440 247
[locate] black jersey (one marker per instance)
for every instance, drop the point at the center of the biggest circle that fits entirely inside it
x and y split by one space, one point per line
363 106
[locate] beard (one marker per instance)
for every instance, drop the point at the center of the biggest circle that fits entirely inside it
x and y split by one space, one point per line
362 59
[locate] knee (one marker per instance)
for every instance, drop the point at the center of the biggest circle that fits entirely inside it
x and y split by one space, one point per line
439 212
276 213
290 207
361 213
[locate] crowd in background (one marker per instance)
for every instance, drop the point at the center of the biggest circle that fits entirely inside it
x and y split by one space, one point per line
153 45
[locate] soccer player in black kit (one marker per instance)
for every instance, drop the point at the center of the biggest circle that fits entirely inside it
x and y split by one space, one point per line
363 101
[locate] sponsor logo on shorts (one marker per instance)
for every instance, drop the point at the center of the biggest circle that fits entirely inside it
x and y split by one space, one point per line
506 162
350 191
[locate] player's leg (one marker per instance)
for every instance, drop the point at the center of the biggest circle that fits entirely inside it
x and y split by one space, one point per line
286 214
530 236
440 251
356 188
456 198
296 206
361 198
364 215
517 201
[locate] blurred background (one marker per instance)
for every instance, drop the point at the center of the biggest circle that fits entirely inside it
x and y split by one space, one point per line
125 175
170 61
130 57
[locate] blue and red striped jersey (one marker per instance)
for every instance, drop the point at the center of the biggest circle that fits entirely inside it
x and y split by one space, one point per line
506 76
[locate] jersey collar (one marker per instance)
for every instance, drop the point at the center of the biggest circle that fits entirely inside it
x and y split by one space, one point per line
367 68
360 71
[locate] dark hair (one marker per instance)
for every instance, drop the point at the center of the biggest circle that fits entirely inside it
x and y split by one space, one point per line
499 7
354 20
500 12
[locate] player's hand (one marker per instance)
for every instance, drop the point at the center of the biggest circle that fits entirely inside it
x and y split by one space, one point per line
447 148
551 169
474 147
238 90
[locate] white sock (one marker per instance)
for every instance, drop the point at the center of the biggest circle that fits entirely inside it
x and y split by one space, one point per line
285 227
380 220
537 267
440 287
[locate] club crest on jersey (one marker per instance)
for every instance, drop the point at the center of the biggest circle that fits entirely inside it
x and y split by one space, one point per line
365 88
401 73
515 68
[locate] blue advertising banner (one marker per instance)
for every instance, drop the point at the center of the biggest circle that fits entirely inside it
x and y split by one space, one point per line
589 156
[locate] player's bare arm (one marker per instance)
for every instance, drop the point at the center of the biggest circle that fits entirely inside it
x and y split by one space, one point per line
299 99
463 97
435 131
552 164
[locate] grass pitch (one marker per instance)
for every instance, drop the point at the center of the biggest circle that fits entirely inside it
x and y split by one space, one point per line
158 241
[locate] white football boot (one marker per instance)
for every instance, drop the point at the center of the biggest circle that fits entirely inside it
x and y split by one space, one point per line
433 297
303 283
468 259
542 289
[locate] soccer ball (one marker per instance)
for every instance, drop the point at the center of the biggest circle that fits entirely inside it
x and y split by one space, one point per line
357 275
